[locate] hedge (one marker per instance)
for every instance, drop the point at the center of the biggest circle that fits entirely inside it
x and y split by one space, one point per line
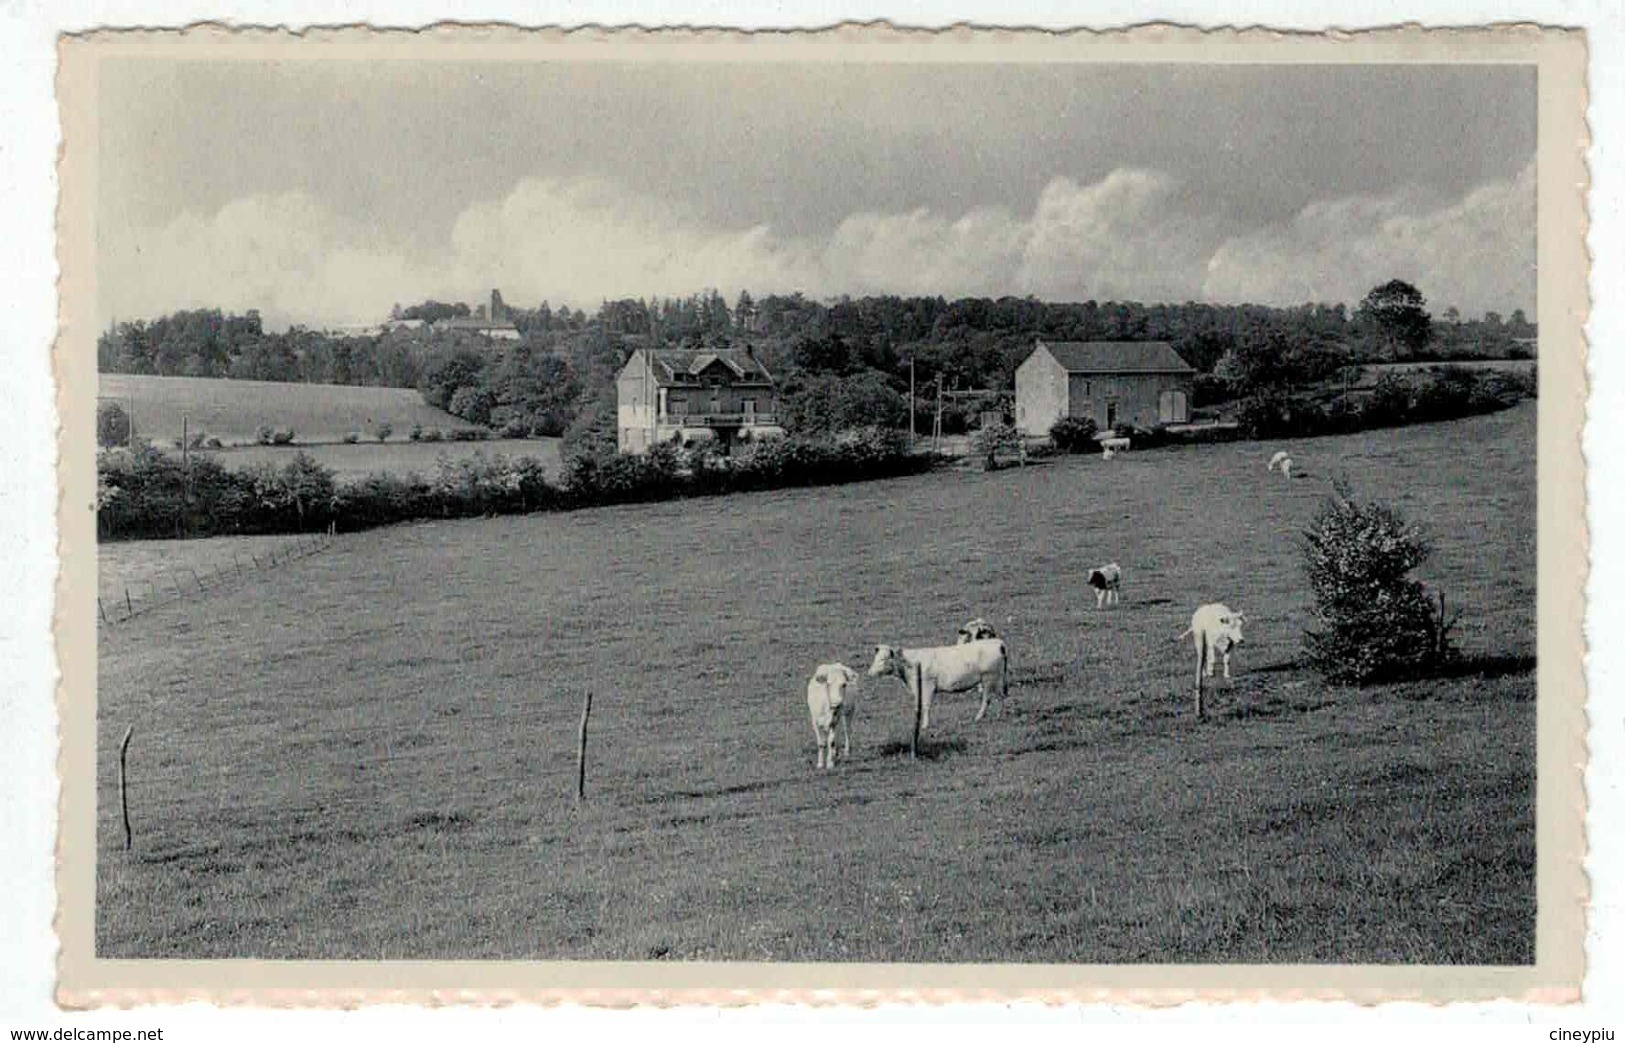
145 494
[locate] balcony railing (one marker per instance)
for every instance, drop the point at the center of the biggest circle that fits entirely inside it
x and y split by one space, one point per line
717 419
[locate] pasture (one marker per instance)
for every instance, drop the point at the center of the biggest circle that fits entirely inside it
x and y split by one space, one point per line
234 410
396 456
370 753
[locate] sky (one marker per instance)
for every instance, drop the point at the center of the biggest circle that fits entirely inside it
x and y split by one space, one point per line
324 192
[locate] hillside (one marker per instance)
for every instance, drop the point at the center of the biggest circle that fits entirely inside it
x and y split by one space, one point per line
233 410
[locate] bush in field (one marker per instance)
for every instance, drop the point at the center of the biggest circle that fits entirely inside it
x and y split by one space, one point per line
470 434
113 427
214 443
417 433
473 404
515 429
383 431
1072 434
1373 621
283 436
352 438
264 435
989 443
433 434
196 439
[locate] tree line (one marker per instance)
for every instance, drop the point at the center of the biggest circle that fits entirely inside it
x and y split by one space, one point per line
841 360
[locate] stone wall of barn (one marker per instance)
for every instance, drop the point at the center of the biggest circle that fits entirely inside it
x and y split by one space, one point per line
1041 394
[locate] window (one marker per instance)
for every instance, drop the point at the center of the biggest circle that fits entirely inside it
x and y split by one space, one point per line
748 406
678 406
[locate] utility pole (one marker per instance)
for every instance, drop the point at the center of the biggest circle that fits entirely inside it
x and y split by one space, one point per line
186 476
936 427
911 402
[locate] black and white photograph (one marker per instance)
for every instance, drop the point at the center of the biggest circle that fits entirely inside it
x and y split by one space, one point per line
960 511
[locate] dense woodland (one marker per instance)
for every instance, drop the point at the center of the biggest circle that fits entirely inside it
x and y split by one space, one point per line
839 362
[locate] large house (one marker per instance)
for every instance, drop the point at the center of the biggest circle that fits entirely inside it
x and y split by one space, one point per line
689 396
1143 383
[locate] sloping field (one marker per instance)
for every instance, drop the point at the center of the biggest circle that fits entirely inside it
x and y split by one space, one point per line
233 410
394 457
370 754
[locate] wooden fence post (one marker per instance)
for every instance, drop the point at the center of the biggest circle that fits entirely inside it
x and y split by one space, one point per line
129 605
101 608
919 708
581 750
123 792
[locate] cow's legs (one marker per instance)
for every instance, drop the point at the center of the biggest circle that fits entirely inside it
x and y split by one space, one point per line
925 708
1226 657
846 733
1100 596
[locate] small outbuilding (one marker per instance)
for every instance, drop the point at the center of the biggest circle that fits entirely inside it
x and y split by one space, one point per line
1112 382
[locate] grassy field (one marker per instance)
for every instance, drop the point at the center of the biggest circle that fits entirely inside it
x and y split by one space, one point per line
371 753
396 457
134 575
233 410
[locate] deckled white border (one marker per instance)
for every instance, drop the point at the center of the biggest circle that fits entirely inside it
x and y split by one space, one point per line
25 407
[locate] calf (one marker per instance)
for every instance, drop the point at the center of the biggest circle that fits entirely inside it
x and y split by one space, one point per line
983 665
1217 629
976 630
831 704
1107 580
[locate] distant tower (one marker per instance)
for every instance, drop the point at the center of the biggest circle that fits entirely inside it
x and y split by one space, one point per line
498 311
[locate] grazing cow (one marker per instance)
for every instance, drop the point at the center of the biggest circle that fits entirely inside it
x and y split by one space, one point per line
831 704
1111 446
1275 461
984 665
1217 629
976 630
1107 580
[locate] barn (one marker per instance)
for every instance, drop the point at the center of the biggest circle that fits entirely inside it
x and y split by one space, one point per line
1113 383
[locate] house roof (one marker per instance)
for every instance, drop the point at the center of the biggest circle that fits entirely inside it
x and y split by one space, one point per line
673 366
1116 356
470 323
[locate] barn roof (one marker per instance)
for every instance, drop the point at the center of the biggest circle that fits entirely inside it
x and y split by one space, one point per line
1116 356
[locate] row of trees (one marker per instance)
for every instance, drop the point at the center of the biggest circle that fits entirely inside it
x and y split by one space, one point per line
844 361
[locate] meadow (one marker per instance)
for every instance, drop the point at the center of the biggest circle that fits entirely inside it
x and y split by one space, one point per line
399 456
234 410
369 753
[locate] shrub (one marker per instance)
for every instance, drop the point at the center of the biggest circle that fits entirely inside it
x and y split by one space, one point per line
196 439
1375 623
1072 434
470 434
416 434
214 443
433 435
283 436
473 404
352 438
516 429
113 427
383 431
264 435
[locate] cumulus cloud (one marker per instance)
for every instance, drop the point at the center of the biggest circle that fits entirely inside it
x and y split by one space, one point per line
1135 234
1476 253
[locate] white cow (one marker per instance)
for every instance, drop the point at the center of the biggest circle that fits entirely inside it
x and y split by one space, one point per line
977 629
1283 460
984 665
1107 580
831 704
1110 447
1217 629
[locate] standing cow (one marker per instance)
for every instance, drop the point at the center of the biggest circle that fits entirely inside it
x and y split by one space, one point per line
831 704
982 665
1217 629
1107 581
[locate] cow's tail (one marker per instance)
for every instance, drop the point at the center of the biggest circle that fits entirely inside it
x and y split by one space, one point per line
1186 634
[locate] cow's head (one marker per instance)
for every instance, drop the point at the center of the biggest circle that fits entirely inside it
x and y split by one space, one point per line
976 630
835 677
1230 627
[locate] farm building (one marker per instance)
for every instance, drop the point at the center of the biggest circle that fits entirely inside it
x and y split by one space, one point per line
1143 383
691 396
494 324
